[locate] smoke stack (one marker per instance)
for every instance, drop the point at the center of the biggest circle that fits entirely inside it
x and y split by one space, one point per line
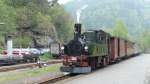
77 33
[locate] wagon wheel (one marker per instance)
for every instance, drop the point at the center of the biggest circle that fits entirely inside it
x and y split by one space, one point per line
36 59
32 60
27 60
119 59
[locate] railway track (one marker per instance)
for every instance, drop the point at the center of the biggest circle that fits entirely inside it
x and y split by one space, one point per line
23 66
56 79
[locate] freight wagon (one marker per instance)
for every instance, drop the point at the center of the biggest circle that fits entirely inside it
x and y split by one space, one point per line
55 49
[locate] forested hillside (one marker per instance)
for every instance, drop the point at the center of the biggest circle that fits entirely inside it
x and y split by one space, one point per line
122 18
104 14
34 23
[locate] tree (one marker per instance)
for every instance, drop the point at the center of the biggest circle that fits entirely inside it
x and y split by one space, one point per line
145 40
8 17
120 30
22 41
34 20
63 23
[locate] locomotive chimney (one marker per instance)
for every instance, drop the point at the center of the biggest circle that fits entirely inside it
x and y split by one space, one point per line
77 33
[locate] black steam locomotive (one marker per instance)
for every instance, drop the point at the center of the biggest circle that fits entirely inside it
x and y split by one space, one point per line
93 49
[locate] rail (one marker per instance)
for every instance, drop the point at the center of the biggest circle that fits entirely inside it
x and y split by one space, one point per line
29 65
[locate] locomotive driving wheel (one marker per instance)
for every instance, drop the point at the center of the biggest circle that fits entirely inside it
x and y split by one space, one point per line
92 63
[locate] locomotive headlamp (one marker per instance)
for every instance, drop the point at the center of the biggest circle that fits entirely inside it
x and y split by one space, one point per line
86 47
73 58
62 48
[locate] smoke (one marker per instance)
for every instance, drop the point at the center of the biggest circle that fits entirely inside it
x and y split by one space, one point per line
79 11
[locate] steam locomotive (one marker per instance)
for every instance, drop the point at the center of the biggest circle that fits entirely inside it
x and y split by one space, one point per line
93 49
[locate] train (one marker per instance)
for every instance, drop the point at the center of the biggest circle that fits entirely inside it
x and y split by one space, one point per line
93 49
55 49
18 56
29 55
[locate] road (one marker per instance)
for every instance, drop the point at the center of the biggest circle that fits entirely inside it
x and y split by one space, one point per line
135 70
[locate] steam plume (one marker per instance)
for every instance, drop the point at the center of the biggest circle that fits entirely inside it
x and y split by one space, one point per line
79 11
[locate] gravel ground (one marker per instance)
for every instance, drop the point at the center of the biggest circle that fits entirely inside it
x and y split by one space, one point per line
132 71
30 75
36 80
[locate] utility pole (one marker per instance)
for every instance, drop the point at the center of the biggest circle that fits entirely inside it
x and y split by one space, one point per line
1 23
9 45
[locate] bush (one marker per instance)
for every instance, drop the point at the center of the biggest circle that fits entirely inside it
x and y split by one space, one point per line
1 50
46 56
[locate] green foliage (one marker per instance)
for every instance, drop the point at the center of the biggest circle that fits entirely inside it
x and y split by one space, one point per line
46 57
17 3
22 41
102 14
1 49
43 18
63 26
23 17
120 30
7 16
42 23
144 40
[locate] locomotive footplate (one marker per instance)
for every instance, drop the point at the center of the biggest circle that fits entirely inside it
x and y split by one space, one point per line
75 69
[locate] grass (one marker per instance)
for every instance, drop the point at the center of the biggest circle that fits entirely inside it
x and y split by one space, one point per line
46 57
12 76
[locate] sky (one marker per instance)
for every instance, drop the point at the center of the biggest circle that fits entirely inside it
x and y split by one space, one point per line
147 0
